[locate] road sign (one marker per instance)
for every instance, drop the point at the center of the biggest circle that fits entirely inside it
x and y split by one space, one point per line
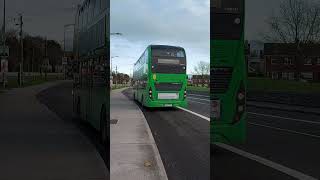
4 51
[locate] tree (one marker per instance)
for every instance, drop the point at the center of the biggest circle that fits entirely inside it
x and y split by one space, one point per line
202 69
297 23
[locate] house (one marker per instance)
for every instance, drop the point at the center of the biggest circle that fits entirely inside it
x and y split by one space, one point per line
199 80
282 61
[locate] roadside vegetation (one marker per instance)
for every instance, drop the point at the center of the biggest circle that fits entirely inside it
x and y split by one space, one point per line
119 86
198 88
30 81
265 84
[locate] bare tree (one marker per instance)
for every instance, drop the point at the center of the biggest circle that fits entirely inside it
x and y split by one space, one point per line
202 69
297 23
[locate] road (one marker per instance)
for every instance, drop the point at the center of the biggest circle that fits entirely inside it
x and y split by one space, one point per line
281 145
182 139
59 100
37 144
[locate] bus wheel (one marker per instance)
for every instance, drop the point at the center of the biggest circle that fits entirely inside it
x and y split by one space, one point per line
77 109
142 101
78 106
104 135
103 124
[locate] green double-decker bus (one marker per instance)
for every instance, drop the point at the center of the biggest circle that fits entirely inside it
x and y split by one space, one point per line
228 74
159 77
91 88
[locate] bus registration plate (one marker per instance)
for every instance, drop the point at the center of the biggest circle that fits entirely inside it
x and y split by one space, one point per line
168 96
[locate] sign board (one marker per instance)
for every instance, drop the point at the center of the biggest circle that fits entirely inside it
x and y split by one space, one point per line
4 51
4 71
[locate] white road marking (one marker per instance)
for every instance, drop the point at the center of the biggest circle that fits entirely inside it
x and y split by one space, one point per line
198 102
291 119
194 113
266 162
199 99
286 130
199 95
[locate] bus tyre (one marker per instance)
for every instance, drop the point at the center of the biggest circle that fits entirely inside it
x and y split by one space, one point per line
142 105
76 108
104 135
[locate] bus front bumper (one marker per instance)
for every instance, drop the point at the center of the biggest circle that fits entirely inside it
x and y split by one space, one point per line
161 103
229 134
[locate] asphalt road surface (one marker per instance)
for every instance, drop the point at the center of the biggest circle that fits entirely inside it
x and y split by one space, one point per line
59 100
182 139
280 145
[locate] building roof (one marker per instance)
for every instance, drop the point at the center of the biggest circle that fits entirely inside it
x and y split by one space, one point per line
290 49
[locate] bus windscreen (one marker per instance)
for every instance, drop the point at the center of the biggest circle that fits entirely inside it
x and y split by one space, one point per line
168 60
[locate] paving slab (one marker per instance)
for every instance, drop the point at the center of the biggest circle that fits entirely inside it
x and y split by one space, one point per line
134 153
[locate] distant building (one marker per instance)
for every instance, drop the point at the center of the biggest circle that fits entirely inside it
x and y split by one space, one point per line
282 61
199 80
255 57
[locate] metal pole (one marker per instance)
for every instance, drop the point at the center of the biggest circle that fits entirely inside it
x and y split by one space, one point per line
21 43
4 36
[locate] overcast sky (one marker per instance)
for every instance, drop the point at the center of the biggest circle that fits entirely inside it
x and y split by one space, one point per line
41 17
180 22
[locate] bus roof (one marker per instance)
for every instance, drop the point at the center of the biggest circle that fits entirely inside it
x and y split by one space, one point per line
161 47
164 46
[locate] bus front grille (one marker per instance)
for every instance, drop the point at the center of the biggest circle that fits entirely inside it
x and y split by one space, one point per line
220 78
168 86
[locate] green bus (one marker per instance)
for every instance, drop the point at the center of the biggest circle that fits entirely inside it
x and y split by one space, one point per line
159 77
228 74
91 89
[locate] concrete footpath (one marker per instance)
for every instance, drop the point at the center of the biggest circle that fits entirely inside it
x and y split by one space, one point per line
36 144
134 154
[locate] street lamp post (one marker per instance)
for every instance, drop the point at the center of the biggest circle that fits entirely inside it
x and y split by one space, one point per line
111 66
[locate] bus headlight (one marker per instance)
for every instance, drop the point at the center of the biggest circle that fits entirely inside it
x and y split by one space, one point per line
150 93
240 104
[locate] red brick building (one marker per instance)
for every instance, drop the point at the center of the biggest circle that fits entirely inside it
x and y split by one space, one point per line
282 62
199 80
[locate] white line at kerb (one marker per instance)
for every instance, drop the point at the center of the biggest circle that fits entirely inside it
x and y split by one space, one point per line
286 118
285 130
194 113
266 162
197 102
199 95
199 99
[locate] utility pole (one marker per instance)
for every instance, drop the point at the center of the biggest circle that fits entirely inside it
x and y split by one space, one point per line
116 75
4 39
46 60
21 44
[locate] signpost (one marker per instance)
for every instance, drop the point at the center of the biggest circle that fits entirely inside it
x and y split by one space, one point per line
4 51
4 71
